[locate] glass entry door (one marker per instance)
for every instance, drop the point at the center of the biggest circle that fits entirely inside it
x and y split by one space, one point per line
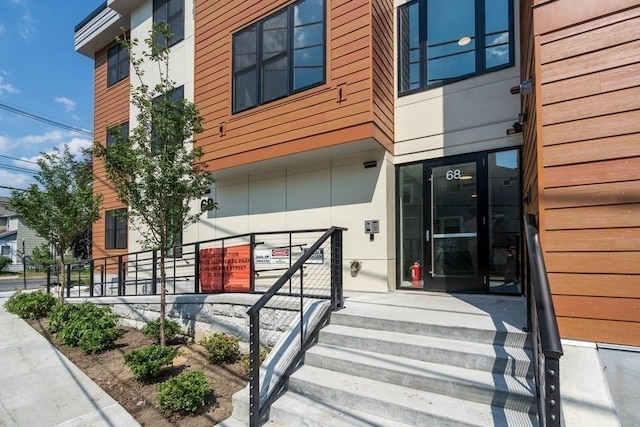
452 227
459 224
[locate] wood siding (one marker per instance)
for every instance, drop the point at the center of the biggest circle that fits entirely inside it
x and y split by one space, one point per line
588 163
111 108
348 107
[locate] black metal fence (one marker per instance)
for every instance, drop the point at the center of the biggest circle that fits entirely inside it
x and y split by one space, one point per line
249 262
546 345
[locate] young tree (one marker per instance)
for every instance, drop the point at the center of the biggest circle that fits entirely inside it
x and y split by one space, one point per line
154 169
63 206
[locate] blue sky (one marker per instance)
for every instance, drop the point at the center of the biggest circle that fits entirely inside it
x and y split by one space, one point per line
41 73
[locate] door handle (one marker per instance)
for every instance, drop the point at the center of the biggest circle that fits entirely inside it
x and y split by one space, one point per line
427 235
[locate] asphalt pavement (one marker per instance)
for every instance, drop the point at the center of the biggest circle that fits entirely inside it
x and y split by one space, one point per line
12 283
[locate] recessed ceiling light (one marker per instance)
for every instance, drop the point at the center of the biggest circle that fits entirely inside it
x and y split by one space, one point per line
464 41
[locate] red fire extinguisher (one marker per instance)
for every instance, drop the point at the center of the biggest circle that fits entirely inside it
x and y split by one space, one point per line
416 274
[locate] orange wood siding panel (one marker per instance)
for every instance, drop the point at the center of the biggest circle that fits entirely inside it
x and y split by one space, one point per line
111 108
589 164
308 120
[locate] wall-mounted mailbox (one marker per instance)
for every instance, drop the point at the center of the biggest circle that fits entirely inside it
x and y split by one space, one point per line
372 226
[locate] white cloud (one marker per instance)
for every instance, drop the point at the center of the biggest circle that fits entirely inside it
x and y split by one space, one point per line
50 136
4 144
77 145
15 180
6 87
69 105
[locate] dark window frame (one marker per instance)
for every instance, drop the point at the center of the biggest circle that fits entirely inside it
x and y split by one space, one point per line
480 46
117 58
116 230
161 10
174 95
259 62
7 252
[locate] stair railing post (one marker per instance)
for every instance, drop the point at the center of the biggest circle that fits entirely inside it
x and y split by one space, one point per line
337 297
48 280
252 265
254 362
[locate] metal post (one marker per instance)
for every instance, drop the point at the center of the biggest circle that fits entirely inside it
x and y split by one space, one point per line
24 266
196 268
120 275
49 279
154 273
254 362
68 280
252 265
301 307
337 299
91 281
552 391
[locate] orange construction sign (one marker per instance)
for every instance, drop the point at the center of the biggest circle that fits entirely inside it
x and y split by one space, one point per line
225 270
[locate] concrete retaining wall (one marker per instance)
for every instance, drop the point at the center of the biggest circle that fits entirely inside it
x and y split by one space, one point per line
202 315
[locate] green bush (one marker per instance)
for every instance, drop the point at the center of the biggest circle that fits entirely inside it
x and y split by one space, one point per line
221 348
245 360
41 257
4 262
152 329
146 362
87 325
31 305
184 394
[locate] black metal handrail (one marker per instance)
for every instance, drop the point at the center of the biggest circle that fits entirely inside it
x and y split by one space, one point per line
546 345
258 406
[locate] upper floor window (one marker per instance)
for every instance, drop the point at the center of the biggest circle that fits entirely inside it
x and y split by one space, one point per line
279 55
161 133
171 12
123 129
115 236
117 64
440 41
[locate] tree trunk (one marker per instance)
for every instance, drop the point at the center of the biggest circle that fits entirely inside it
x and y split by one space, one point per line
163 297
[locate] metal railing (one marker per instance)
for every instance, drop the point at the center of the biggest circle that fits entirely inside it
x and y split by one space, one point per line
138 273
298 291
541 316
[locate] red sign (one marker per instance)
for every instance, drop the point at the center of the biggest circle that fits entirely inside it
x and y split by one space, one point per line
225 271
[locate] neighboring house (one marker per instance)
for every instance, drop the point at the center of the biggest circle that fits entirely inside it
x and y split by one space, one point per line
444 123
13 232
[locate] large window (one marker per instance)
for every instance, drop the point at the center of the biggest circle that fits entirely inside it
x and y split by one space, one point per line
115 236
159 122
440 41
279 55
117 64
5 251
172 12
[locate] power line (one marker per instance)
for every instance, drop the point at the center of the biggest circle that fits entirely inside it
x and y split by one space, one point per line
43 119
18 160
17 169
12 188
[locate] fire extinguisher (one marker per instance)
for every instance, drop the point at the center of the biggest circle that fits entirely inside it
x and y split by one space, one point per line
416 273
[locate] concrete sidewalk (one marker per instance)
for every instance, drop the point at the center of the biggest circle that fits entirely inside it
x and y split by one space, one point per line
40 387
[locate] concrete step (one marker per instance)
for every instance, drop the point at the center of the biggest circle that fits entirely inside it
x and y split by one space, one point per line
468 384
400 404
293 409
496 358
499 321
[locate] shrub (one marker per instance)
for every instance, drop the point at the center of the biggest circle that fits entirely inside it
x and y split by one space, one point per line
246 361
4 262
152 329
184 394
221 347
31 305
147 361
86 325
